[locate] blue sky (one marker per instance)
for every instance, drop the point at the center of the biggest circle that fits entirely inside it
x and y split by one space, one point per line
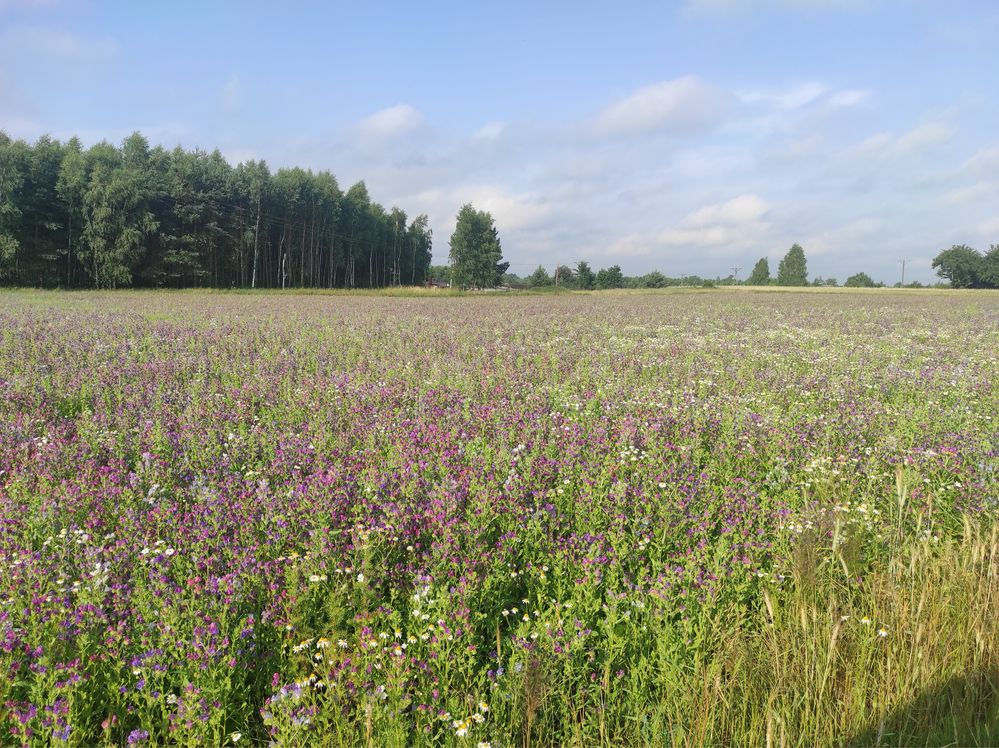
690 136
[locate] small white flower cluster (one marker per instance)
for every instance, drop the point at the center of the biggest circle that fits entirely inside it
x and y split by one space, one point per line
633 454
865 621
462 726
159 546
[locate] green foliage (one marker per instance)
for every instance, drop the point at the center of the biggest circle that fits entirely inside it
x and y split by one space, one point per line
610 278
761 273
419 239
11 181
475 255
501 271
512 280
585 278
117 218
860 280
565 277
70 188
990 267
8 255
966 267
793 270
540 278
134 215
440 274
655 279
961 265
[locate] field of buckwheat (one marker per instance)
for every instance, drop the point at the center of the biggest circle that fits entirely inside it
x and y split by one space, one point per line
689 518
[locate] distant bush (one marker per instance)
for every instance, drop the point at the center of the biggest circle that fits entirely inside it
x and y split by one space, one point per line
860 280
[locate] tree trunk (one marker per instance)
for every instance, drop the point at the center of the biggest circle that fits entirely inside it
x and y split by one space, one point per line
256 244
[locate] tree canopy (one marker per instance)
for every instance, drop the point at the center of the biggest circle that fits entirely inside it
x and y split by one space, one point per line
793 270
136 215
611 277
476 255
585 277
966 267
540 278
761 273
860 280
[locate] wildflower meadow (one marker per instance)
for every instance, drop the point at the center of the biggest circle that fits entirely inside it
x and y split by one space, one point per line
679 518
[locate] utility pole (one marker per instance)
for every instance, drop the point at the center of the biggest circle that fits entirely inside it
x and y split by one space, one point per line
735 274
902 263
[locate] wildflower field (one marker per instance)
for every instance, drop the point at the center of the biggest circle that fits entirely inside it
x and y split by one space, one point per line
682 518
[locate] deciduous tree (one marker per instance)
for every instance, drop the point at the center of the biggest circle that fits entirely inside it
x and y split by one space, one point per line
611 277
11 180
585 276
761 273
860 280
475 250
793 270
961 265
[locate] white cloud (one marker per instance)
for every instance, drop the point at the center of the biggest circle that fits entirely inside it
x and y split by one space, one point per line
786 111
922 137
857 237
678 106
848 98
711 162
885 145
490 131
732 224
787 99
983 161
737 211
970 193
511 210
725 228
632 245
873 145
797 149
389 122
709 236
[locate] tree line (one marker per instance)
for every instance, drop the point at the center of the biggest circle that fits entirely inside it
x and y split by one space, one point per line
962 266
114 217
476 262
